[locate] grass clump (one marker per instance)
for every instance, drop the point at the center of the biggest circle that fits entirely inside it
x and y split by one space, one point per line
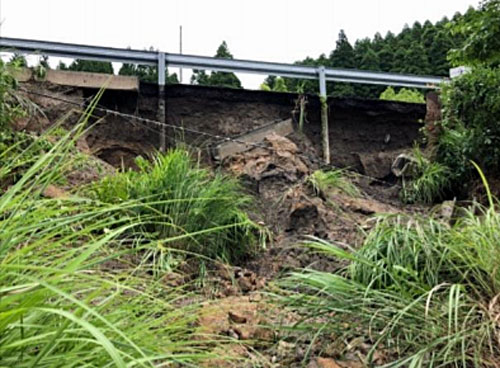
184 205
69 294
421 291
429 181
333 181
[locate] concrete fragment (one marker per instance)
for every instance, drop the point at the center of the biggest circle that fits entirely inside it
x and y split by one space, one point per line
402 165
92 80
248 141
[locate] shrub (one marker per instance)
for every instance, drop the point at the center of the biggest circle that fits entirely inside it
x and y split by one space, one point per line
185 205
470 126
403 95
421 291
10 102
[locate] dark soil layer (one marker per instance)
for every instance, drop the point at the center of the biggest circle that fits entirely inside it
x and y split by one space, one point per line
365 135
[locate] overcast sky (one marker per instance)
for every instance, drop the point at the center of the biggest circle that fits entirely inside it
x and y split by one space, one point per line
266 30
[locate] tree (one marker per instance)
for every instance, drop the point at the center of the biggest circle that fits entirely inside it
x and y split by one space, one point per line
269 81
361 48
92 66
419 49
343 55
200 77
219 79
438 51
386 58
415 60
481 31
306 86
278 84
147 73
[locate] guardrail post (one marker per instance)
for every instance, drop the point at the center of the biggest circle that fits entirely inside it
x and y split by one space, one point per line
161 99
324 115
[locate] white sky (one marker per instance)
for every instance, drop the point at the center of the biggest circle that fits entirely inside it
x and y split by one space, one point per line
266 30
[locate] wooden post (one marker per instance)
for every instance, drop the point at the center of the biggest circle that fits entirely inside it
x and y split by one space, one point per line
325 139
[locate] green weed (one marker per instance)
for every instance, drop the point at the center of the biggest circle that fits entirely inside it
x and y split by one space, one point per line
182 205
429 182
419 289
333 180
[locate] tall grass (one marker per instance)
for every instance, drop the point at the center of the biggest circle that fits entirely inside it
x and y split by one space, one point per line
429 181
71 294
420 289
183 205
333 180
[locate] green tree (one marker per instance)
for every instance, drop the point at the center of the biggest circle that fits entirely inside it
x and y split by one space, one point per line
80 65
147 73
415 60
343 55
219 79
481 31
278 84
438 51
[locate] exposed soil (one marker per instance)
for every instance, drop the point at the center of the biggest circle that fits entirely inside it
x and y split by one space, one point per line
293 211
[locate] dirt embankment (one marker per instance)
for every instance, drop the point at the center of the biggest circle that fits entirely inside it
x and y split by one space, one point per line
365 135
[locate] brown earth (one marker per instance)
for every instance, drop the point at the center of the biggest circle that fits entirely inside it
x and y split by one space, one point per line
293 210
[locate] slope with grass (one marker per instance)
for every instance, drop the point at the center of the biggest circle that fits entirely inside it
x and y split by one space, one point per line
418 293
78 285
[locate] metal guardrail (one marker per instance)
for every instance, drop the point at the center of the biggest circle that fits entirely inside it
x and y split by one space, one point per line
162 60
210 63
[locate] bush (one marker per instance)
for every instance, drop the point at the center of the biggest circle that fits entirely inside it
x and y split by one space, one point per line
423 293
403 95
184 205
470 130
10 102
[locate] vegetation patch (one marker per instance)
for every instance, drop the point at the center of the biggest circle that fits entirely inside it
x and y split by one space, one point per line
333 180
429 181
418 292
181 205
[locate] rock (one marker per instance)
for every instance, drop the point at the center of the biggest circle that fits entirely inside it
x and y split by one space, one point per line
236 317
445 211
327 363
52 191
377 165
245 284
